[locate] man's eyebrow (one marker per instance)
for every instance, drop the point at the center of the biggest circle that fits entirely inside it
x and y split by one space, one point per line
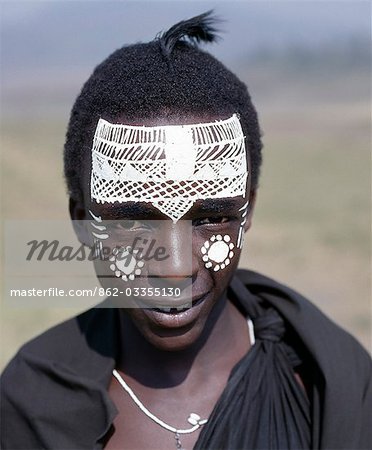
216 205
129 209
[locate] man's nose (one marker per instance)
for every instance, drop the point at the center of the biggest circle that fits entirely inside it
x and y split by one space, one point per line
175 267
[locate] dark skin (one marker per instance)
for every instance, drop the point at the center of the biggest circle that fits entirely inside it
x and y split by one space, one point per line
178 368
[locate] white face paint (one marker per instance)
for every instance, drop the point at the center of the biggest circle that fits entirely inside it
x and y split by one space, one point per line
124 263
241 234
217 252
171 166
98 234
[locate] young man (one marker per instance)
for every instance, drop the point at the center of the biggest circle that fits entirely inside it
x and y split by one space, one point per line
164 143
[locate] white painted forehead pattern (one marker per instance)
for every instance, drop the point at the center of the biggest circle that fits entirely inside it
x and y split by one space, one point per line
169 166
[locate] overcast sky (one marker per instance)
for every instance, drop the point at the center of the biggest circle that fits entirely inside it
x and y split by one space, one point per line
80 33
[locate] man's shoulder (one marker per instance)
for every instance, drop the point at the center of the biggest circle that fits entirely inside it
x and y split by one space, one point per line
53 342
64 345
67 368
321 335
50 345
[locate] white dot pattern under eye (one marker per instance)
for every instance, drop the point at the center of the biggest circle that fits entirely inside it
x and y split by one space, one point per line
217 252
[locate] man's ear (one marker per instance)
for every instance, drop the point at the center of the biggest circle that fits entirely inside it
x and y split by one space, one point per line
251 205
80 222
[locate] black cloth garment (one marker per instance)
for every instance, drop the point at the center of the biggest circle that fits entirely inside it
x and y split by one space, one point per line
262 406
54 392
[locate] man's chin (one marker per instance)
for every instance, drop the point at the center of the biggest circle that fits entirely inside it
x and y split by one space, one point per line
174 339
178 330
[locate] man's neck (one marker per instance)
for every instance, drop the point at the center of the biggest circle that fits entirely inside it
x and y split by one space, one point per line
222 344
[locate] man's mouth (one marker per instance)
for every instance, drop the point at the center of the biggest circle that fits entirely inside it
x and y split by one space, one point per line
178 309
169 308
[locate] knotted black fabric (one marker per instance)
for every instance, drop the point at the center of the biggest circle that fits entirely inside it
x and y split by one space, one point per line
263 406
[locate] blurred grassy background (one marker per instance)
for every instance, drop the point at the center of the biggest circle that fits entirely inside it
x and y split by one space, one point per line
311 227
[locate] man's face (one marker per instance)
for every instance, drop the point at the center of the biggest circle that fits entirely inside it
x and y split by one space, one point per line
197 255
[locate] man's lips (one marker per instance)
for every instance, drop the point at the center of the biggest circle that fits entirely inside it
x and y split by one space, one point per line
172 318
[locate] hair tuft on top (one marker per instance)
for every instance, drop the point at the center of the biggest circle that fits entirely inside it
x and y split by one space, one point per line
165 79
195 30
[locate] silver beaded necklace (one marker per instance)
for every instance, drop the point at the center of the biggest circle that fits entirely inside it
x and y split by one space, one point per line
193 419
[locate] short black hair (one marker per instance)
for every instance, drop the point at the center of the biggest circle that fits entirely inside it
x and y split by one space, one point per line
166 77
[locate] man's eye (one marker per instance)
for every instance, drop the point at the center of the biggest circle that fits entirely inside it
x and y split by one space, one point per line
210 221
128 225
